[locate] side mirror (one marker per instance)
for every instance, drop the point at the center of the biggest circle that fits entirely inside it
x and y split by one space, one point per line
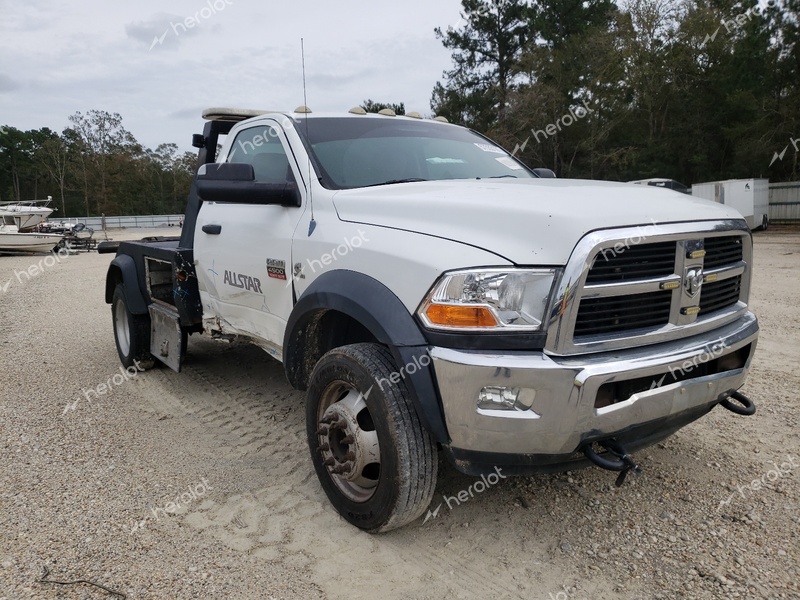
544 173
235 182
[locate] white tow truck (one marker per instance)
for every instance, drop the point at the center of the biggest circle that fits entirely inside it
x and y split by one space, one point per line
437 297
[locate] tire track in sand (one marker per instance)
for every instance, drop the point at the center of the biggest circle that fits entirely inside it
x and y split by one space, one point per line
239 401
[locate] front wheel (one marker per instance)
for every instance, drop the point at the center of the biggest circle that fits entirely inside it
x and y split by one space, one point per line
131 333
373 458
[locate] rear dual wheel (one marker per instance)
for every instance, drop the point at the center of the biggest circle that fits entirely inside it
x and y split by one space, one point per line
131 333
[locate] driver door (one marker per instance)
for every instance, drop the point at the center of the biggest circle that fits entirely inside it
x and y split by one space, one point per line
243 251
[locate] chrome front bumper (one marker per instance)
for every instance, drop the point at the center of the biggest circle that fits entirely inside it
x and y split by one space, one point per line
562 415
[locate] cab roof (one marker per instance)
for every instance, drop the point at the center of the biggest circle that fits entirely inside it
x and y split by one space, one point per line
235 115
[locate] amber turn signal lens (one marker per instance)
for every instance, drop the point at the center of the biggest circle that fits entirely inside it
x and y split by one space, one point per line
450 315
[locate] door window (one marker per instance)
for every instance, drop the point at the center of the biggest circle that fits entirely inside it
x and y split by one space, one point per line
261 147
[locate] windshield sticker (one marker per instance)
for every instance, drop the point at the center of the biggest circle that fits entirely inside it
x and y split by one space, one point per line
244 282
276 269
490 148
437 160
509 162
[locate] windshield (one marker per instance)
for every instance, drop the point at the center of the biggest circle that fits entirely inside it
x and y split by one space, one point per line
361 152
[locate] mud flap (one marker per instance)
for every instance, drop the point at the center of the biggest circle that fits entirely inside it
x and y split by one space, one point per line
166 338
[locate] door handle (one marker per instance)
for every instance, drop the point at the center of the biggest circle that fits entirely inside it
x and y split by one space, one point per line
212 229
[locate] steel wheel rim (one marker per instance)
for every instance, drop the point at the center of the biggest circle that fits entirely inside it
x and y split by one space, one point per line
348 442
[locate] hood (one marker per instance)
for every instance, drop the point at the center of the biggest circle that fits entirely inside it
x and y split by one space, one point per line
528 222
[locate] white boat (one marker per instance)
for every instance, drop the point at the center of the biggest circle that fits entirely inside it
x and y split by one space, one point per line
11 239
27 214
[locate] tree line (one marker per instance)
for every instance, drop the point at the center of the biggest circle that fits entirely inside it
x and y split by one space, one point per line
95 166
693 90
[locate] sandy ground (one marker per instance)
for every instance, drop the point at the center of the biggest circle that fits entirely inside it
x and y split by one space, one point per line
85 478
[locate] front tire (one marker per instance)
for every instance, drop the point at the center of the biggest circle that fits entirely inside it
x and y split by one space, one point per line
131 333
373 458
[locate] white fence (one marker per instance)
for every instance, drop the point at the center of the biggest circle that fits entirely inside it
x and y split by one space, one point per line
96 223
784 201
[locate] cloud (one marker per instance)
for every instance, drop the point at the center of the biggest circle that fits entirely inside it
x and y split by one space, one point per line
161 30
187 113
97 55
7 84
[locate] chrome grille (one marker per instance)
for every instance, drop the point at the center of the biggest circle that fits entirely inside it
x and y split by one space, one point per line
621 313
720 294
644 285
625 263
722 251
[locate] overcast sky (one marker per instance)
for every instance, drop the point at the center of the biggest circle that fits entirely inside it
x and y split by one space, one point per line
140 58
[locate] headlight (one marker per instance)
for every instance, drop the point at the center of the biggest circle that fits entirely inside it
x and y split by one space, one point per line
488 300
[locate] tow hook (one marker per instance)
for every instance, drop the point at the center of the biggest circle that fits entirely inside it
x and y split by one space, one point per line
742 406
623 463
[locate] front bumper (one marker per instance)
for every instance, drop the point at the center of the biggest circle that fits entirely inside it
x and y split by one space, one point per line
562 393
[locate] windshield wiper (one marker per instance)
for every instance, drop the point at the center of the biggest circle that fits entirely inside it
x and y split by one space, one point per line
392 181
503 176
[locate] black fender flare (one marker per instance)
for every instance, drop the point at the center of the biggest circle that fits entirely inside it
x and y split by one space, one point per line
123 268
373 305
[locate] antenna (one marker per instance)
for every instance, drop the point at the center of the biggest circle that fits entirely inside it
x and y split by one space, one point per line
312 225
